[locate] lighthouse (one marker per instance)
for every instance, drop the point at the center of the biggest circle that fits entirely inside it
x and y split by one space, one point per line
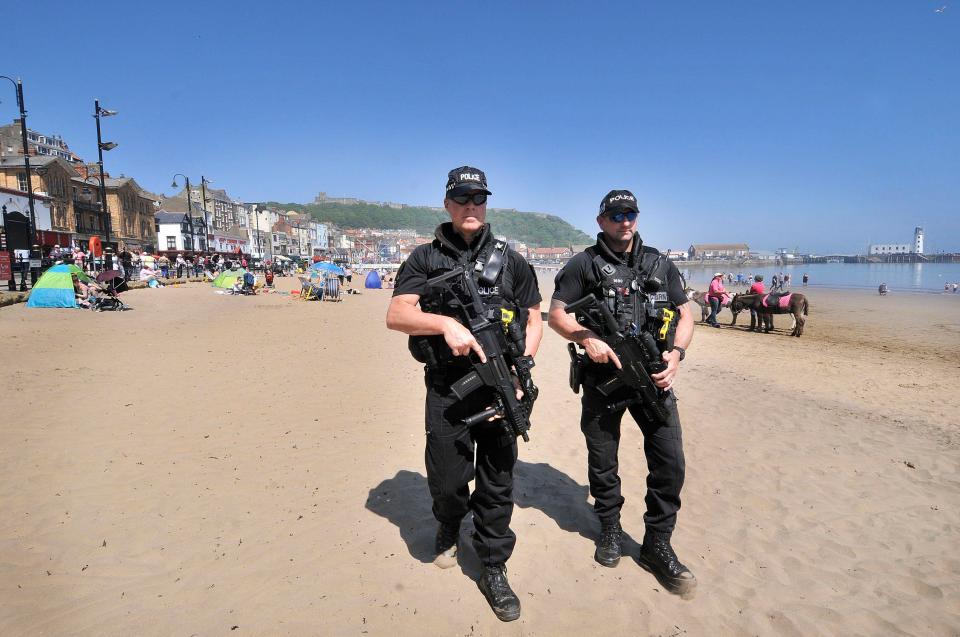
918 240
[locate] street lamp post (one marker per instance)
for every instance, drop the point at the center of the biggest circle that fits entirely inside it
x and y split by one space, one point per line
18 85
203 194
256 219
99 112
11 284
193 238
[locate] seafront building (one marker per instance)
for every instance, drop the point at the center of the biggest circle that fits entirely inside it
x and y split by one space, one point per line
704 251
900 248
11 143
71 191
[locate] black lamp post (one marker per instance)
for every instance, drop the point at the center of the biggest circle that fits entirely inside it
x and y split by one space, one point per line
203 194
99 112
18 85
11 284
193 239
256 219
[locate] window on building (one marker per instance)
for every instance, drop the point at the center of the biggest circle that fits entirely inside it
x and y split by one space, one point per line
22 181
171 243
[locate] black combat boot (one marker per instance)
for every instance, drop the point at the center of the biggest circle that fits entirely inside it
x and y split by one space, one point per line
608 546
657 556
447 536
495 587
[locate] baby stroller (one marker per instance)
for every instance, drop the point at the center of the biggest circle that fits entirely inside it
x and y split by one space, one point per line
112 284
248 283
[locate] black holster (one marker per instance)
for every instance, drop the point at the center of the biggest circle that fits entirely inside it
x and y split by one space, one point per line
576 368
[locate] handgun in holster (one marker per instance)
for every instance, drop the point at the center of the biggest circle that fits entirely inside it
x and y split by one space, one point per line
576 368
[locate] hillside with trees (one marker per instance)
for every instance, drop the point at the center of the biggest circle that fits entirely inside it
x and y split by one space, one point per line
533 228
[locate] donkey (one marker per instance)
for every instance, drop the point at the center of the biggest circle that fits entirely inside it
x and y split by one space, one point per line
793 303
700 298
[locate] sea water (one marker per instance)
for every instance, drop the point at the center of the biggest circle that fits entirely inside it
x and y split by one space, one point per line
913 277
917 277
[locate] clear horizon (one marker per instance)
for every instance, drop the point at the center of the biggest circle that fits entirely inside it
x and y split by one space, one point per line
823 126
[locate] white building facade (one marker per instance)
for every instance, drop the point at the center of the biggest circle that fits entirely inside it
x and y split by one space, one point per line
890 248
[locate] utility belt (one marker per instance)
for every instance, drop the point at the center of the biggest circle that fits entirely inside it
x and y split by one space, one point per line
584 372
443 376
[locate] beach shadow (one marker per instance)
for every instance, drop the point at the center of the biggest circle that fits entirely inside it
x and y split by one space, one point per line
563 500
405 501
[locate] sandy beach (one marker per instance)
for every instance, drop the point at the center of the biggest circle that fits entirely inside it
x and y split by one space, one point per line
215 465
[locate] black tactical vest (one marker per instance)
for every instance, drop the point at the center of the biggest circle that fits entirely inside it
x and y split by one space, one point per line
626 283
447 252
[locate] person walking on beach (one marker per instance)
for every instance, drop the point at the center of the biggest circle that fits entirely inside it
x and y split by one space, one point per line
164 263
126 263
716 294
451 446
616 271
806 279
756 288
181 264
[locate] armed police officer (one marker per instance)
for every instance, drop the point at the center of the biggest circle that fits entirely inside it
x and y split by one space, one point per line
507 286
628 294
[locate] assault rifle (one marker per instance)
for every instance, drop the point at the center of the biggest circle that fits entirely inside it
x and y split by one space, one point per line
639 357
503 349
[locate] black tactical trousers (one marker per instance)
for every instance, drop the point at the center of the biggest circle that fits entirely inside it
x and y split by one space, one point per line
662 445
450 451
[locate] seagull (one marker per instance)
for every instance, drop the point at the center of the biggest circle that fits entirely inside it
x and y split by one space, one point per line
941 9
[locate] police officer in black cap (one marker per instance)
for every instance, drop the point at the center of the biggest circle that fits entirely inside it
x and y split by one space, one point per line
444 345
625 274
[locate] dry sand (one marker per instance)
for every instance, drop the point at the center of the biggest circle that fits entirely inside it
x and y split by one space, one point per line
211 465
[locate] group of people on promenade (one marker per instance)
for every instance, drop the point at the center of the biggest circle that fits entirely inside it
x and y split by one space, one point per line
142 265
624 279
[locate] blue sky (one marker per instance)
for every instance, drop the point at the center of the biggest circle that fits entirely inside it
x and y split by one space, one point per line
816 124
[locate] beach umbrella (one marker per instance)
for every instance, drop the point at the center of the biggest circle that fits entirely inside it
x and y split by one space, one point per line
328 267
55 287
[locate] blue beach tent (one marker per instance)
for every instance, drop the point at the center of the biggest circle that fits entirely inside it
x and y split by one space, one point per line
55 287
373 281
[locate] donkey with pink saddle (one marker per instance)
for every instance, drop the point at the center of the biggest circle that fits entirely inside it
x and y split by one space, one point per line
766 305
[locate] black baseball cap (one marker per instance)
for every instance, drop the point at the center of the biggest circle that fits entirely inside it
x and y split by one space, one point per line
465 179
619 200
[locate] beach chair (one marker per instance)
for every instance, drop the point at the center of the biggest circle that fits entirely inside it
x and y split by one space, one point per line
310 291
304 286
